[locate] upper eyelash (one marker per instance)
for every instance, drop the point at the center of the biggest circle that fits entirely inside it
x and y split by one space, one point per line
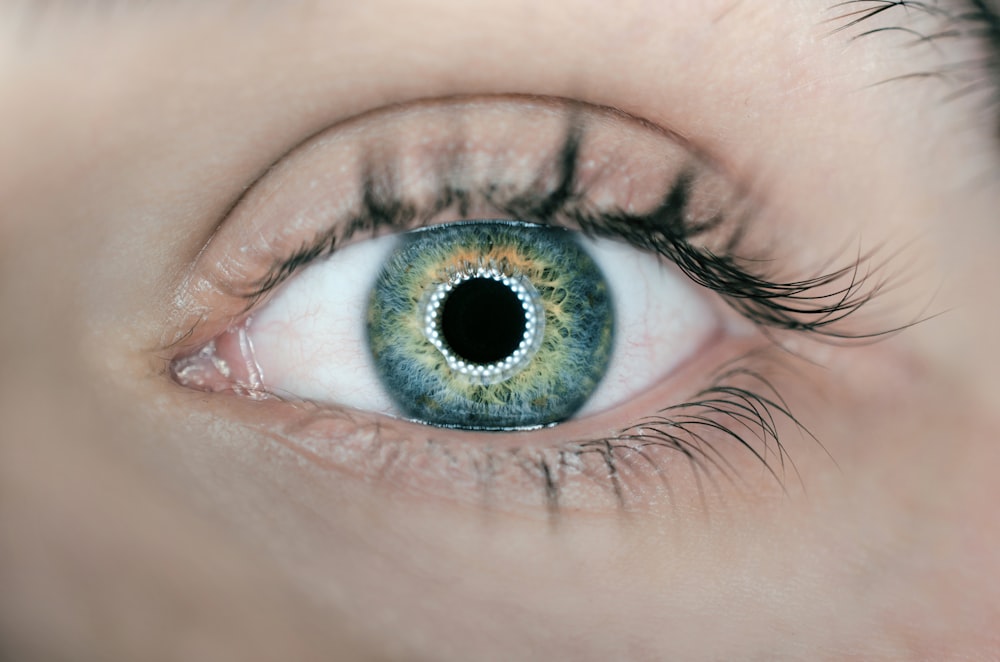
816 304
802 305
754 410
740 405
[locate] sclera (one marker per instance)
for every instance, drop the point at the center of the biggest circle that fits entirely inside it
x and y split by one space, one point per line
309 340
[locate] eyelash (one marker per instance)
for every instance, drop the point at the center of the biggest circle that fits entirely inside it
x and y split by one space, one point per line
676 428
974 19
801 305
741 404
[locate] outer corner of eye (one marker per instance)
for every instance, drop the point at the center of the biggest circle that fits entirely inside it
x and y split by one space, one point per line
478 325
664 322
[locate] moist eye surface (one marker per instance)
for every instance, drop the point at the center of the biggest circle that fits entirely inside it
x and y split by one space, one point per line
491 325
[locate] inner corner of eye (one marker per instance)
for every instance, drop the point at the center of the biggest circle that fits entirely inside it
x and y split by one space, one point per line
223 363
475 325
479 324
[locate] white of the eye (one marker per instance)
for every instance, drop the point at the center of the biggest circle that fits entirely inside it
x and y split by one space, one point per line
310 340
661 319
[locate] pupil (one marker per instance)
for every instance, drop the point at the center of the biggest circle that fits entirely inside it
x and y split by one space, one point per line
482 321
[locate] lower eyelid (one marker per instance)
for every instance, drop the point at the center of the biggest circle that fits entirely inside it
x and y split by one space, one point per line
557 469
412 458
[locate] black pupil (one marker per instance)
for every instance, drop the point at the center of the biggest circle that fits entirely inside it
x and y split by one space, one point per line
482 321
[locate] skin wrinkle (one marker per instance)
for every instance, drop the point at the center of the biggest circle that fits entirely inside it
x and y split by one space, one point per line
867 568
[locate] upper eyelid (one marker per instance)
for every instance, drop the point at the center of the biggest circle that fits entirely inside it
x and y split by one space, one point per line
376 181
819 303
192 279
605 442
382 205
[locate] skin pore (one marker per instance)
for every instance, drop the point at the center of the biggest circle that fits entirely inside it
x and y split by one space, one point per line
141 519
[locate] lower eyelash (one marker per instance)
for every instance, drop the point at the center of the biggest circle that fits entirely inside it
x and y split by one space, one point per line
741 409
724 410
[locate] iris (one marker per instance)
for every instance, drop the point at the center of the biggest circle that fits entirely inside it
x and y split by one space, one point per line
491 325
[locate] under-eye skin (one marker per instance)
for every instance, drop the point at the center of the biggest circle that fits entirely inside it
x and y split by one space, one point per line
490 325
599 174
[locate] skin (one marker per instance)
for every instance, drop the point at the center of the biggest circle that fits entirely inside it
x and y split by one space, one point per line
142 520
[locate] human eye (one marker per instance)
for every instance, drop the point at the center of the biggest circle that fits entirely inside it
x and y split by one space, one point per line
647 321
490 325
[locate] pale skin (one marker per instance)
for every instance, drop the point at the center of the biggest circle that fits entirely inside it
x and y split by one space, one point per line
140 519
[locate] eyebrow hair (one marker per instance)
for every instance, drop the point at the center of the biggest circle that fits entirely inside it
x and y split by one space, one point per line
965 20
986 15
990 15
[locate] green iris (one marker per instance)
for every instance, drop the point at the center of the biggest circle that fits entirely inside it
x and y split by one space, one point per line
490 325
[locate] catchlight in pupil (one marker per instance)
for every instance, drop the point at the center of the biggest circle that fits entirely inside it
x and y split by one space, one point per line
482 321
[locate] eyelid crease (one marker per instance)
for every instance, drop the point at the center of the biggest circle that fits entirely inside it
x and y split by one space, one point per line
697 220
